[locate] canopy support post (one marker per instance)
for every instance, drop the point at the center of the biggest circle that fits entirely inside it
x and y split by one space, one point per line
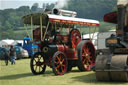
26 30
94 33
68 29
46 31
89 33
81 31
31 28
55 26
41 27
61 27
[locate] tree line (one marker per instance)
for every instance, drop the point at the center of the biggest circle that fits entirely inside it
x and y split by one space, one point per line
10 19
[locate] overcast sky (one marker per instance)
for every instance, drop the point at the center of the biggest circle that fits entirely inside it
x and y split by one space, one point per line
4 4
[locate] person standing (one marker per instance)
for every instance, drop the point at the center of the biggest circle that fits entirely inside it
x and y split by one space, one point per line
12 55
6 55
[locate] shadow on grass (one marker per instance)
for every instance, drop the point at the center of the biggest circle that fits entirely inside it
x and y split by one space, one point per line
15 76
91 79
75 70
23 75
48 73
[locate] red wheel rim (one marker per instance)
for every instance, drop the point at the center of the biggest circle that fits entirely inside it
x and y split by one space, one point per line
38 63
75 38
88 56
60 64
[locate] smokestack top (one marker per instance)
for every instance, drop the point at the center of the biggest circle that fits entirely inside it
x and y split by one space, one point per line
64 12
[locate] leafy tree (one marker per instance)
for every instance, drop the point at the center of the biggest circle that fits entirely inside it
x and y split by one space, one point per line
93 9
34 6
11 19
105 27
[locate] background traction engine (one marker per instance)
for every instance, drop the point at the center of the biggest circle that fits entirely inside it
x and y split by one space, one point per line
112 65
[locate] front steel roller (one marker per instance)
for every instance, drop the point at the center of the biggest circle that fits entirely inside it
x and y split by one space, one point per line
117 71
86 55
59 63
37 64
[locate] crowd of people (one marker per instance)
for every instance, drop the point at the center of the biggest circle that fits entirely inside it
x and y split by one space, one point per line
11 55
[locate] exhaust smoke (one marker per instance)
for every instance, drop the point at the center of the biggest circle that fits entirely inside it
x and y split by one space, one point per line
122 2
61 4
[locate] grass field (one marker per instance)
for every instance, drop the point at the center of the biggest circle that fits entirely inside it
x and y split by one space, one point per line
20 74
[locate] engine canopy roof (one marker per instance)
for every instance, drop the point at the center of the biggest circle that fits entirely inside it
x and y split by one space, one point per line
35 19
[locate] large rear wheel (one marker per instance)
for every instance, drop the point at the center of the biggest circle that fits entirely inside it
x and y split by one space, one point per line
59 63
86 55
37 64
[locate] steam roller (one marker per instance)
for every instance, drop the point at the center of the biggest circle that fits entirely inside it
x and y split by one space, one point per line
112 64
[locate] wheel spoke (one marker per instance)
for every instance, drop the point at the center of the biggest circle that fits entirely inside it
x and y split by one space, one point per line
58 70
57 62
42 66
58 58
57 66
36 68
83 60
34 64
85 52
86 55
62 61
90 61
83 55
62 69
63 66
87 62
39 57
39 68
88 52
88 49
35 60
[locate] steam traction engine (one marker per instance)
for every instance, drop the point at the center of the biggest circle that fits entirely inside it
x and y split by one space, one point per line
61 45
112 65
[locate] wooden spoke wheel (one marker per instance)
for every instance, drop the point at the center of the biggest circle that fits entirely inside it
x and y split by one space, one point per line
59 63
74 37
86 55
37 64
